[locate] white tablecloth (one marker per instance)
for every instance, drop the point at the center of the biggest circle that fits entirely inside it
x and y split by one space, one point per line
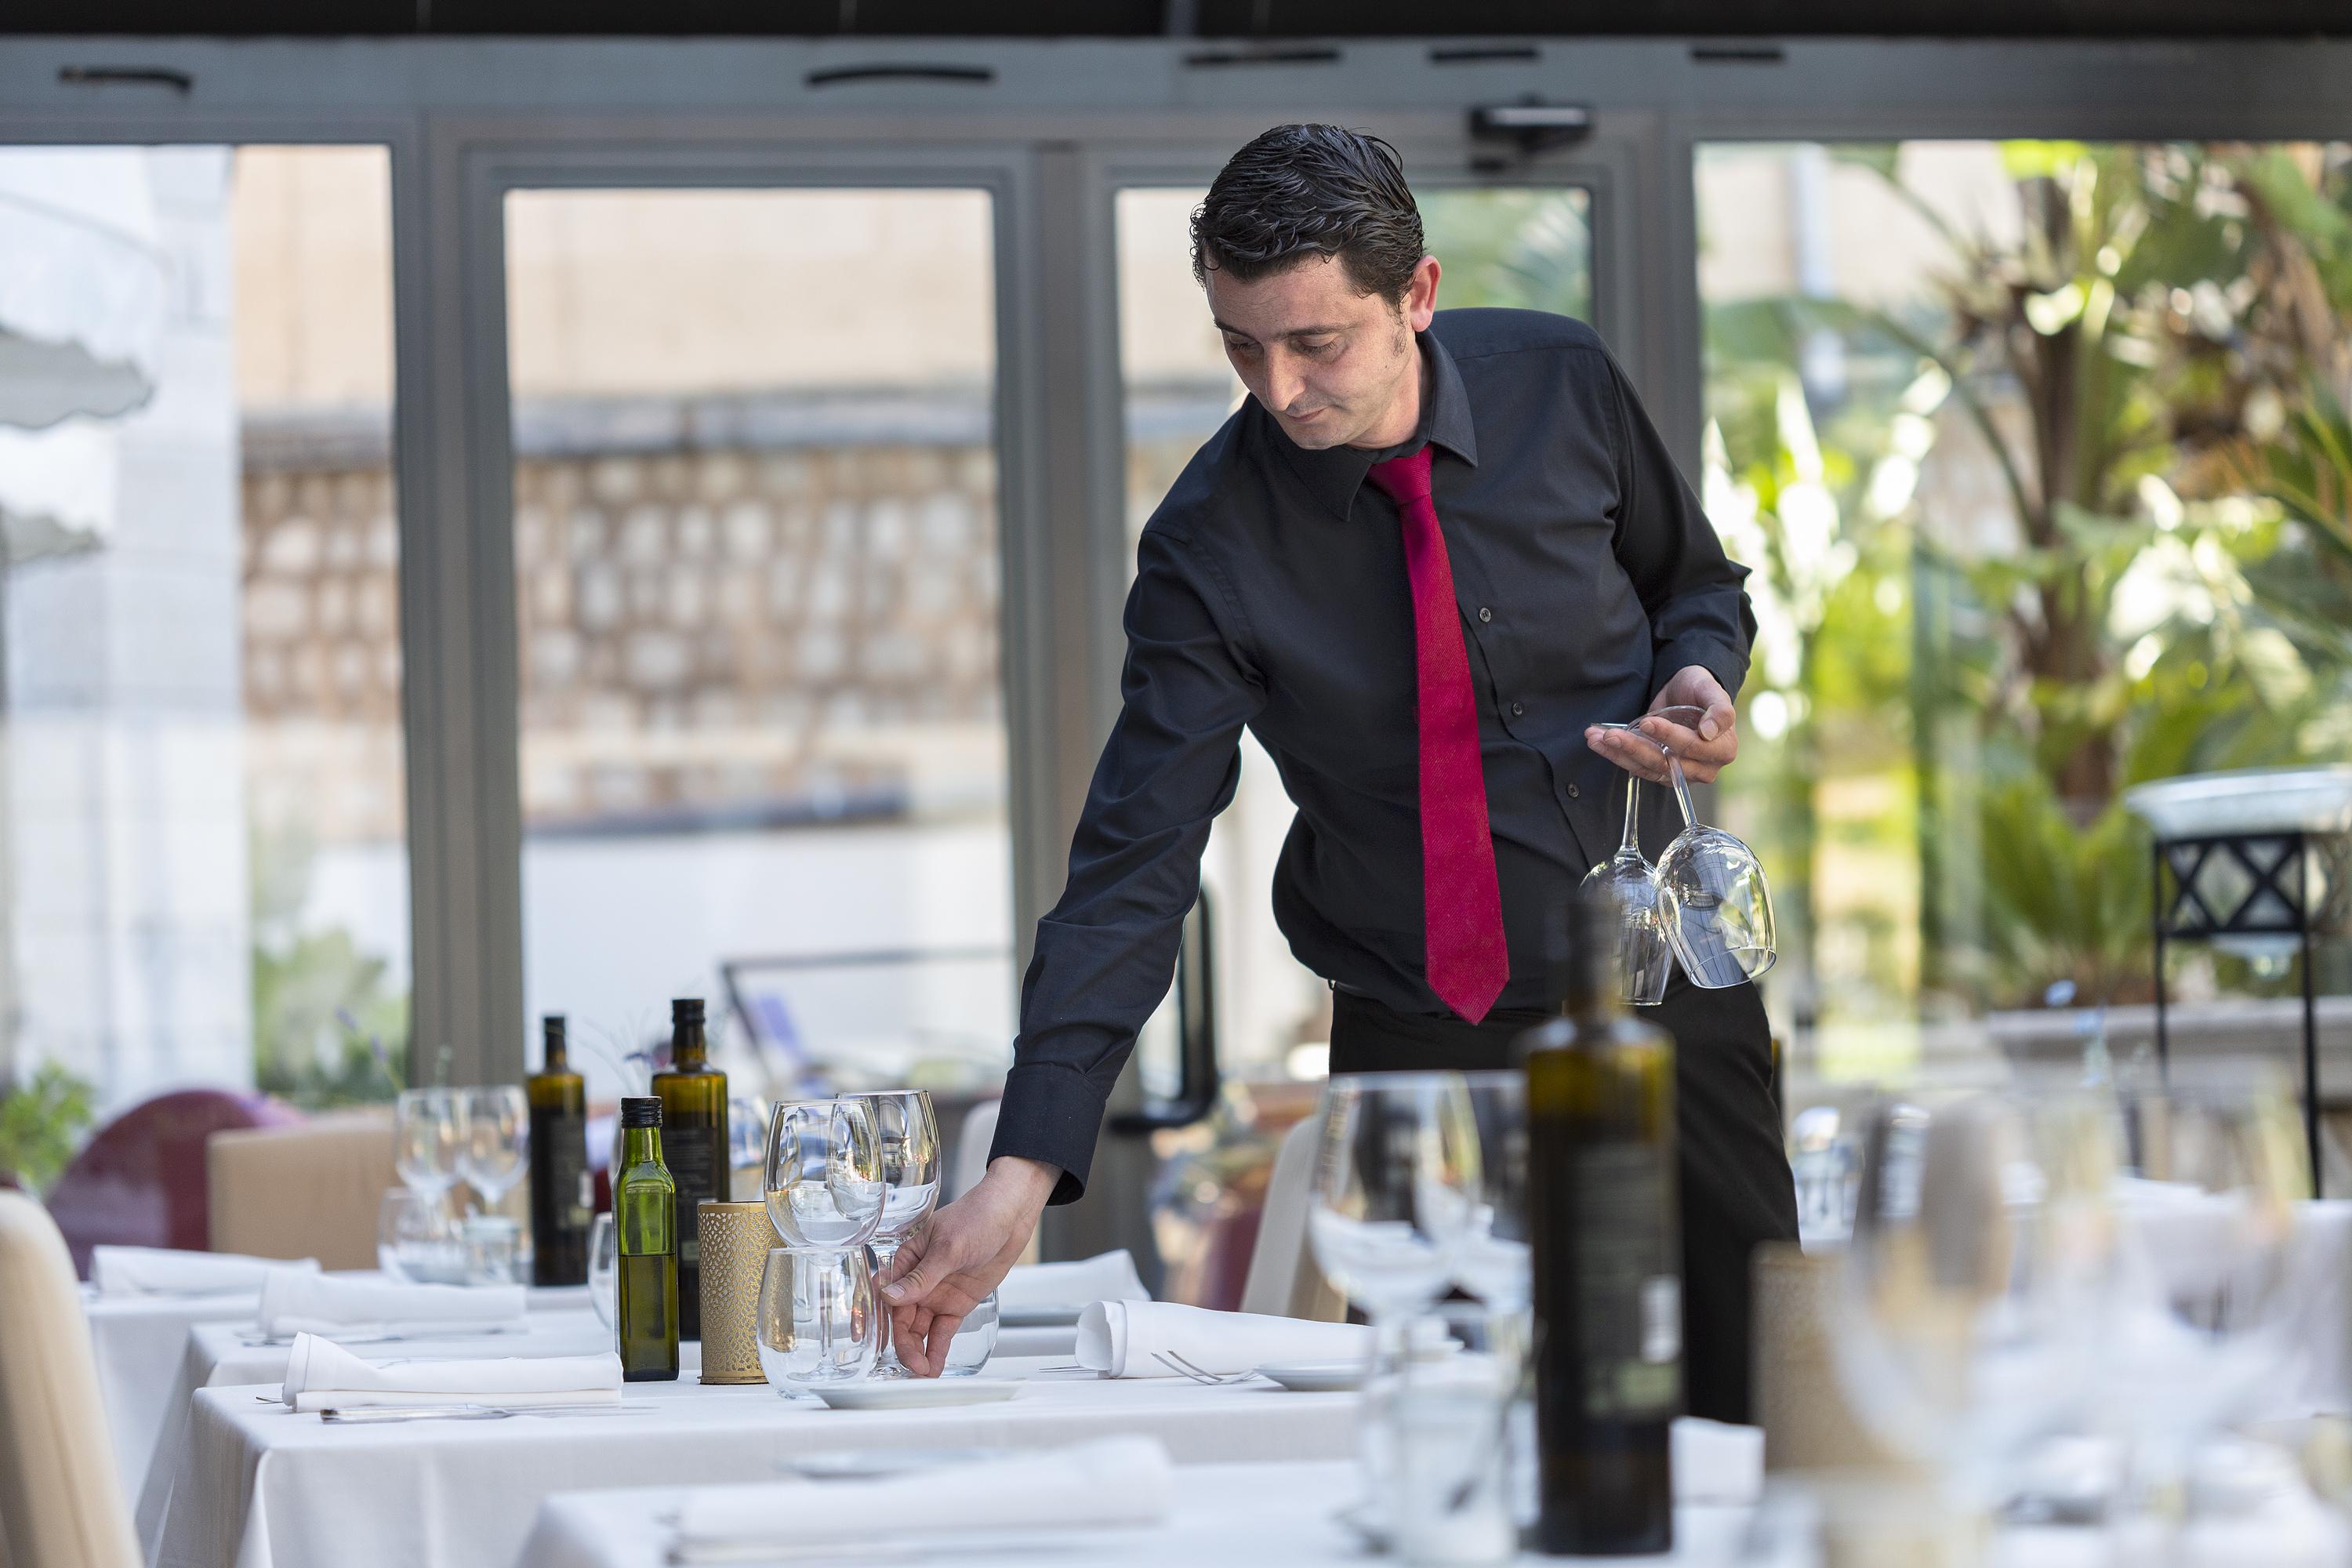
140 1343
1228 1513
259 1487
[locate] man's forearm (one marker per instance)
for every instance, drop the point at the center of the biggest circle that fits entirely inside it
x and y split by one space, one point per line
1030 1179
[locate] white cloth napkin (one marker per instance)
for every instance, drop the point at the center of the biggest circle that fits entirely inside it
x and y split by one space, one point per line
1108 1277
294 1302
320 1373
1105 1484
1117 1339
1715 1462
169 1271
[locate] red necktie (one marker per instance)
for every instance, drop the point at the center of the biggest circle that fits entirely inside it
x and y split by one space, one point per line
1461 902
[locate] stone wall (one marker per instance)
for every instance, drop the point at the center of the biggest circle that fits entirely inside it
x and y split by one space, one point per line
719 619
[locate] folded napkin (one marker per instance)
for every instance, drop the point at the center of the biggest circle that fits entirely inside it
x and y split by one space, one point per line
1109 1276
1103 1484
1117 1339
167 1271
1715 1461
294 1302
320 1373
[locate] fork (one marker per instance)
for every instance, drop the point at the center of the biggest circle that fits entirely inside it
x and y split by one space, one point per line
1182 1368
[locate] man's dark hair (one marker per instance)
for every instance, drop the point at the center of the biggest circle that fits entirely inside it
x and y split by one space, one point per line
1300 191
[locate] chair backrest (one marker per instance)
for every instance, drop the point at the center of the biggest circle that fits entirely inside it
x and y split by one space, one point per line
973 1144
61 1501
310 1191
140 1181
1283 1280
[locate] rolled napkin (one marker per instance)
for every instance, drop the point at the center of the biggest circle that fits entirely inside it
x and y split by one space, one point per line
1103 1484
169 1271
294 1302
1108 1277
1715 1461
321 1374
1117 1339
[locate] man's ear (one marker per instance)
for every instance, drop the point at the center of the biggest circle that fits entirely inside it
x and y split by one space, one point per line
1421 294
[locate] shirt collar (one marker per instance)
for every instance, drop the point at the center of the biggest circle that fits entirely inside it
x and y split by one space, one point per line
1335 474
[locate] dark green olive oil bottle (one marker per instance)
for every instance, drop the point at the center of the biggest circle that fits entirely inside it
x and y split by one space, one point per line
1608 1256
644 1223
693 1096
563 1194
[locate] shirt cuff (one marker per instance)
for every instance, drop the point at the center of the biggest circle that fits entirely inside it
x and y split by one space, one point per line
1728 664
1053 1114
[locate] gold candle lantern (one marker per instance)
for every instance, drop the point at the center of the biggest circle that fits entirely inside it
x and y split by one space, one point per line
735 1238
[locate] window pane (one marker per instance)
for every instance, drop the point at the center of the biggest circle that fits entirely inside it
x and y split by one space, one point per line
755 525
205 876
2036 449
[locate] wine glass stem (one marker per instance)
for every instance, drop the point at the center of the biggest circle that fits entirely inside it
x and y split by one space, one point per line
1682 790
886 1354
1632 839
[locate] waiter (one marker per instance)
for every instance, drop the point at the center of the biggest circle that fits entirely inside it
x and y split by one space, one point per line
1425 557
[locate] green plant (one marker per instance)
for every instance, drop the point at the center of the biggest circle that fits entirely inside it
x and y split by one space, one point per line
42 1120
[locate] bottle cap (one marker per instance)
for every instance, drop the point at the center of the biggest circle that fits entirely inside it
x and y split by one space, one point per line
686 1010
641 1111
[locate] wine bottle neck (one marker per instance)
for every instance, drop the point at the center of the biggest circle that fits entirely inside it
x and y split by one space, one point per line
558 1059
688 1048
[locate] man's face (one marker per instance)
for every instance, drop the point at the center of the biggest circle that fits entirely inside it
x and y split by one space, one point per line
1333 366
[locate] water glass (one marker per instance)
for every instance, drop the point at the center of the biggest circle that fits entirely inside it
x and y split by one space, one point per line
603 1267
496 1147
493 1247
429 1138
1463 1455
820 1319
823 1174
976 1342
413 1243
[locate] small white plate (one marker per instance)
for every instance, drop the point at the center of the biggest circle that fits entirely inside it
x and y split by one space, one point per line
915 1392
1316 1377
1039 1317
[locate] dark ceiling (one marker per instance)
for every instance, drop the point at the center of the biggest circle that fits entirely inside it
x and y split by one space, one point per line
1193 18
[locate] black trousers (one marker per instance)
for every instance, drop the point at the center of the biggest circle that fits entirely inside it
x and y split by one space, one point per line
1735 1188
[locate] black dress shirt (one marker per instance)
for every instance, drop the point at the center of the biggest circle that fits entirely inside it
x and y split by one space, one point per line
1270 592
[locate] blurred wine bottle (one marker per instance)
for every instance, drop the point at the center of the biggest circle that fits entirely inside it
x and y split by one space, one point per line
693 1096
1608 1288
563 1194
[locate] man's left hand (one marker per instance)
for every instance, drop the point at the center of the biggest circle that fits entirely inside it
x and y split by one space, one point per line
1705 749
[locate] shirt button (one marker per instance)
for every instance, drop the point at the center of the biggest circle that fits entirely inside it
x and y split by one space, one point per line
1572 792
1517 709
1484 613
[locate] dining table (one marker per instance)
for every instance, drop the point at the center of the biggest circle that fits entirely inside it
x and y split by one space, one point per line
257 1486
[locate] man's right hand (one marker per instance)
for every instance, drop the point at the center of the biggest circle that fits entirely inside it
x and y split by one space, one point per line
950 1264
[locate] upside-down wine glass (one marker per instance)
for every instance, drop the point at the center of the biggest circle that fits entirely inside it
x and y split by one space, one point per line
1645 956
1712 896
907 1132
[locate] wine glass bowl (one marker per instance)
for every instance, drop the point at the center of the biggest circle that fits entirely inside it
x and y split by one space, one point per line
429 1139
818 1322
496 1148
1396 1182
822 1177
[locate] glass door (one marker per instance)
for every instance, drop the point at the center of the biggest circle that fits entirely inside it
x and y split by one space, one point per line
762 734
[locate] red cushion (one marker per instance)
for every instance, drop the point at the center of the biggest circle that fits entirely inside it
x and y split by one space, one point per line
140 1181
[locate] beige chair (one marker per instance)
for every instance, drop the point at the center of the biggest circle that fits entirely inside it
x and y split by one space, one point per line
1283 1280
309 1190
61 1502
